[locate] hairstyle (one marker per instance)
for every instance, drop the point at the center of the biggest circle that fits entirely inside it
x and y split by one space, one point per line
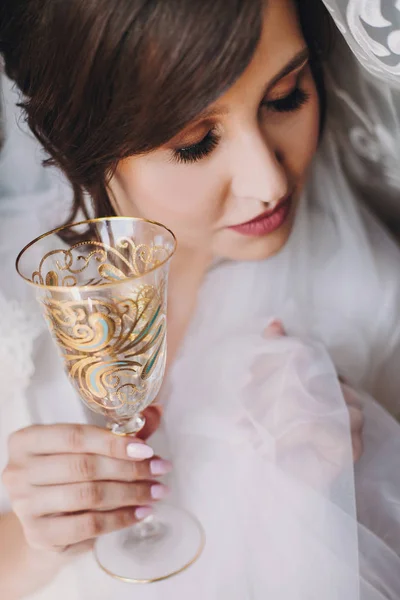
106 79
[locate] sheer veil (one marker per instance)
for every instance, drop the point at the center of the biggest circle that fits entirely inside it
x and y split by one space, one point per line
365 99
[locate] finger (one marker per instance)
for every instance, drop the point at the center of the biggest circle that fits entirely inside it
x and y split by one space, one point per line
98 495
15 481
153 417
68 530
350 396
274 329
356 419
75 468
75 439
315 453
76 549
358 447
328 441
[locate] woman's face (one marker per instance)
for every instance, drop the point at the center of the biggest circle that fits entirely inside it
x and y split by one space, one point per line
245 158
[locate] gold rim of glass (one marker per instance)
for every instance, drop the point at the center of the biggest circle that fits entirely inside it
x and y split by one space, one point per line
61 288
186 566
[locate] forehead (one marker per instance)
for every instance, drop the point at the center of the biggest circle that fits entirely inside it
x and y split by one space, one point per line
280 41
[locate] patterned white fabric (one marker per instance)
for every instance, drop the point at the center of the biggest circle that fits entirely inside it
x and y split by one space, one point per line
364 100
372 29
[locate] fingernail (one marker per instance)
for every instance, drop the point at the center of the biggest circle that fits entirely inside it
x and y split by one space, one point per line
274 329
159 491
143 512
272 321
139 451
160 467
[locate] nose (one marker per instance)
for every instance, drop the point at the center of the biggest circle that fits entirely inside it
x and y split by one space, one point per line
259 173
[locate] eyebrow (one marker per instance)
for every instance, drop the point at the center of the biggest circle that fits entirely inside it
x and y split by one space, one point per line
294 63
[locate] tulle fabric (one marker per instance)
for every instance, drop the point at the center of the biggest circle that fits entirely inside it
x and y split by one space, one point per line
264 458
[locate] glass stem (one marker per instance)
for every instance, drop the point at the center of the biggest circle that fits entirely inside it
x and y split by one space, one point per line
150 529
129 427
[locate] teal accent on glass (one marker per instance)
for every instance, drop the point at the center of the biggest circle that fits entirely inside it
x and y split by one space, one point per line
104 336
148 326
149 365
101 367
110 274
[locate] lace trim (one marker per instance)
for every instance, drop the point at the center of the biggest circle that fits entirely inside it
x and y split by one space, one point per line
372 29
18 330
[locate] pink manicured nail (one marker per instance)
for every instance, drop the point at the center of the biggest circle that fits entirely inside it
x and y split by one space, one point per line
160 467
159 491
272 321
139 451
143 512
274 329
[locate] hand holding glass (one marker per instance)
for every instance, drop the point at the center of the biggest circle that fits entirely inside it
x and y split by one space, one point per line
104 297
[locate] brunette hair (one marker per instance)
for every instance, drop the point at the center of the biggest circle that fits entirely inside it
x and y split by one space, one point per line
106 79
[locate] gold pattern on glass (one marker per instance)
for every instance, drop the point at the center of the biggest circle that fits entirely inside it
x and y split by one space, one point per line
105 305
103 263
113 350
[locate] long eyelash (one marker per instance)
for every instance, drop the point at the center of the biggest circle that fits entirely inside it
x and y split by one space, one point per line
294 101
196 152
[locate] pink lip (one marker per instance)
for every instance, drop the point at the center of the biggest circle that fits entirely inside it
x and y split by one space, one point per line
267 222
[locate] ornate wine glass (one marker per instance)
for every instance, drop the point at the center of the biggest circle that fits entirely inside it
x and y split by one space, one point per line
102 286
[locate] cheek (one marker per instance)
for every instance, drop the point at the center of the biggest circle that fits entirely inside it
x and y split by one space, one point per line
177 195
297 139
303 142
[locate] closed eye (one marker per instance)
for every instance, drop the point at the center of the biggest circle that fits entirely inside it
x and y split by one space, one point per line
290 103
195 152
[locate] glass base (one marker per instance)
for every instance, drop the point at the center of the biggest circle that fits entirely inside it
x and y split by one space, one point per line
155 549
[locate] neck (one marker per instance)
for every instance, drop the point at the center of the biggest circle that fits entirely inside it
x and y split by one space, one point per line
188 270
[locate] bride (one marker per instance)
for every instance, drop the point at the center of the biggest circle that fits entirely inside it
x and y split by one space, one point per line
221 119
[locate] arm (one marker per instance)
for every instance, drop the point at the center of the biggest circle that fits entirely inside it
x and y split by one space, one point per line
24 570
